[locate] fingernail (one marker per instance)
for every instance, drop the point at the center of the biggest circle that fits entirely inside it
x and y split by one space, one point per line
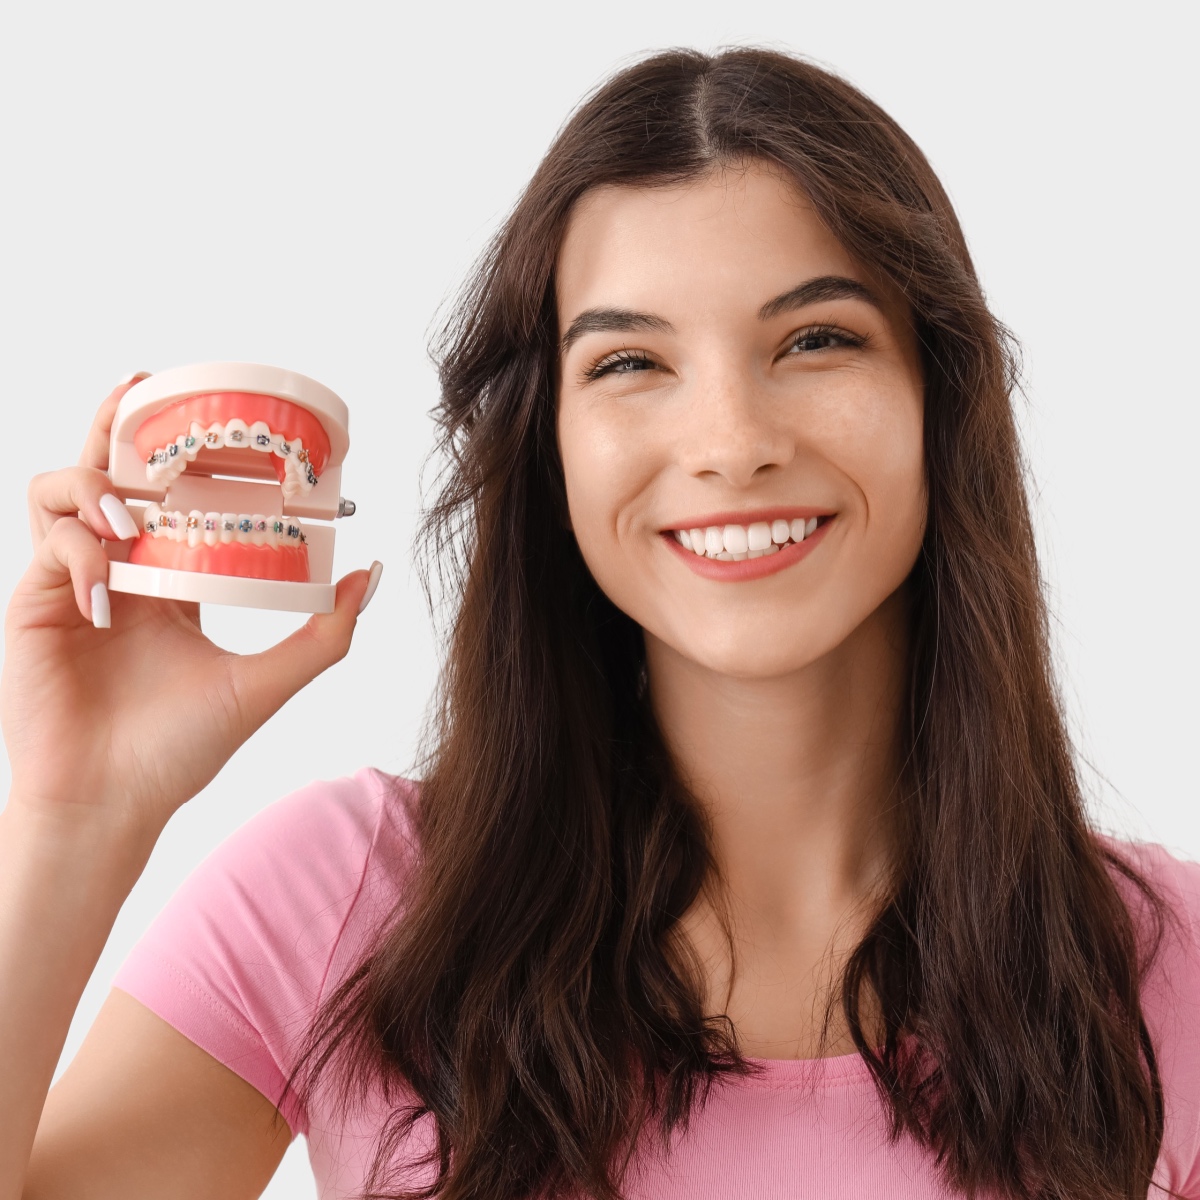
123 525
101 616
372 584
132 376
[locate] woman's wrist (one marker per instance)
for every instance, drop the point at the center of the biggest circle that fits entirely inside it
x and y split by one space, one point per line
91 840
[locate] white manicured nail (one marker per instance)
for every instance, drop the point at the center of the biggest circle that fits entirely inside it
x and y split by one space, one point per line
123 525
372 584
101 617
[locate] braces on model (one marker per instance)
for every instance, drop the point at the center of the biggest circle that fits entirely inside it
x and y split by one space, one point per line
166 464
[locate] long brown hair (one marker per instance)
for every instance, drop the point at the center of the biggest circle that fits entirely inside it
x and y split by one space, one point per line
531 994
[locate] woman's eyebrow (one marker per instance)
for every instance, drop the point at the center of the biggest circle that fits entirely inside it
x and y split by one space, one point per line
626 320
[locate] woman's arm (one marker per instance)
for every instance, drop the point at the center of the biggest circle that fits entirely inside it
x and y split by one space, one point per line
105 745
141 1112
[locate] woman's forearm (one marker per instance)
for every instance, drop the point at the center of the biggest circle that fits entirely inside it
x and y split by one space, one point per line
62 883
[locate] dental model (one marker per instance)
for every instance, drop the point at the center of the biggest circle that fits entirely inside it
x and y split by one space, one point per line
230 456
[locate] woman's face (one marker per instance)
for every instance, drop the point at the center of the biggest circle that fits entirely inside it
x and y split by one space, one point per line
725 365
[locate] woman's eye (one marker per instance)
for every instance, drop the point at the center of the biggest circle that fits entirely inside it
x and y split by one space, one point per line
621 363
810 341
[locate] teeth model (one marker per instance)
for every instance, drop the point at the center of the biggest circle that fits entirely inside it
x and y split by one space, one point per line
733 543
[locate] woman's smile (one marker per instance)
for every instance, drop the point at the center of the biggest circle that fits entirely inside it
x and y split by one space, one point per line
717 547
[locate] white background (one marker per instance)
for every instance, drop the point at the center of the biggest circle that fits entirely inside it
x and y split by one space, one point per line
308 186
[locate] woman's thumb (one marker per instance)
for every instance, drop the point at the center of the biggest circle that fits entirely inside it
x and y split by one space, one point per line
266 681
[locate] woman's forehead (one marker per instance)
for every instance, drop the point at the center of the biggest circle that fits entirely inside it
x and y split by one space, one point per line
737 236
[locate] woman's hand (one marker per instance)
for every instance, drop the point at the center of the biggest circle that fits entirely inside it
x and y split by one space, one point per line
126 716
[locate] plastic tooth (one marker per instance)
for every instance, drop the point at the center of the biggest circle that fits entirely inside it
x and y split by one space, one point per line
258 530
228 528
260 437
150 518
195 528
212 528
214 436
237 432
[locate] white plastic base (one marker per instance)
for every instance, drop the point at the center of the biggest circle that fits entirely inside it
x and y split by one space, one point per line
220 589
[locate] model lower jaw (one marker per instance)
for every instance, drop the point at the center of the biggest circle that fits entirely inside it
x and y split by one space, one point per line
249 546
285 563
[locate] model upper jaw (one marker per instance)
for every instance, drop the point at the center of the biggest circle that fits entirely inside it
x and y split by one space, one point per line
292 439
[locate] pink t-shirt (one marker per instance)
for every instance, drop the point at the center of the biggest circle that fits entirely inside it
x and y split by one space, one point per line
269 924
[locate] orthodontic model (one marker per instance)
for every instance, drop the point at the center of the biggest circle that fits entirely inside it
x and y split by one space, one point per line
230 456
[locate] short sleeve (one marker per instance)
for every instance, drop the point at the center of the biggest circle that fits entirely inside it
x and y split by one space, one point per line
1171 1007
237 960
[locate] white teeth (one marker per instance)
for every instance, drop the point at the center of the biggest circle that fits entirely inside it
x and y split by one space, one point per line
195 527
731 543
229 528
212 528
758 536
165 465
735 539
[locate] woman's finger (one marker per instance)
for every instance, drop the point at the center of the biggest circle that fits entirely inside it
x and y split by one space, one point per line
85 491
264 682
71 554
95 448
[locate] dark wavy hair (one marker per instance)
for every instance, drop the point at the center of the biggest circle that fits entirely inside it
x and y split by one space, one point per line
531 994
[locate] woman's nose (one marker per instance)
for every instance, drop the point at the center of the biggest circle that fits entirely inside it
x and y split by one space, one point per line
731 428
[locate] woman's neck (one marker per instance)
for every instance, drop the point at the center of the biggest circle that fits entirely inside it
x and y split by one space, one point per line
798 777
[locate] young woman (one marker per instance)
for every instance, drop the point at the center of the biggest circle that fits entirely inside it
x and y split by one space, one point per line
748 856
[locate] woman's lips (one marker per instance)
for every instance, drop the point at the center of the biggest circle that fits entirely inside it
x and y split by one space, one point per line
749 568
